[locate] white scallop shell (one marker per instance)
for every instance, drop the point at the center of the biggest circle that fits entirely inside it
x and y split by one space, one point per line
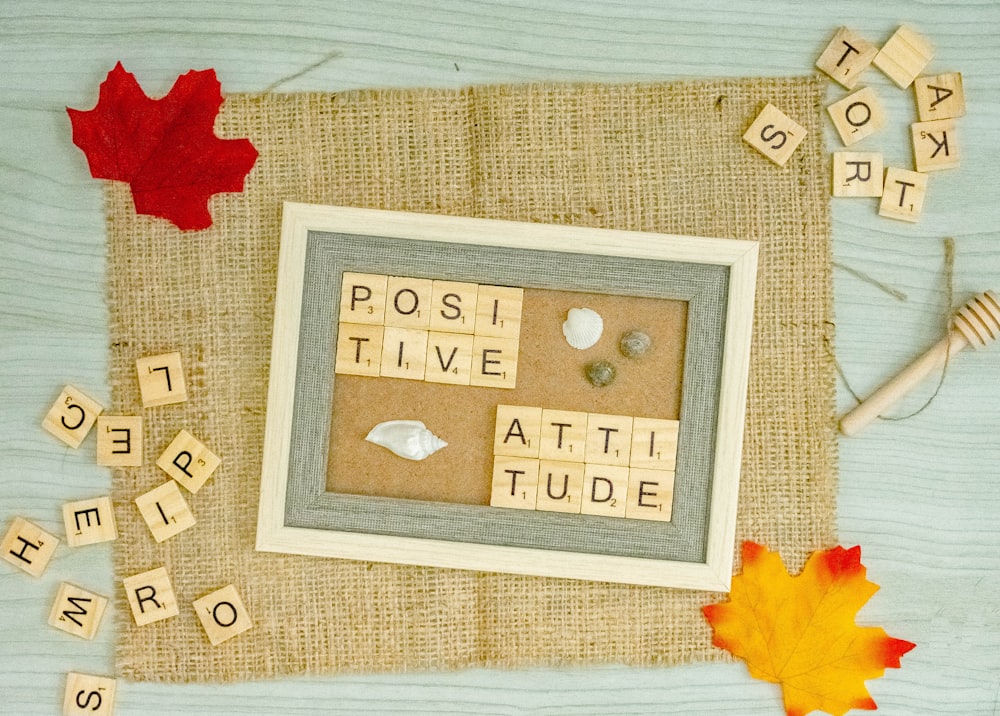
583 327
407 438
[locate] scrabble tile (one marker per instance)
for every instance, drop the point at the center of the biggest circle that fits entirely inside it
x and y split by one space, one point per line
903 195
650 494
161 379
150 596
165 511
498 311
408 302
453 306
89 521
939 96
904 56
89 695
449 358
560 486
654 443
515 482
119 441
77 611
28 546
609 439
359 349
404 353
518 429
563 436
72 416
857 174
846 57
362 298
188 461
857 116
934 145
774 134
494 362
223 614
605 488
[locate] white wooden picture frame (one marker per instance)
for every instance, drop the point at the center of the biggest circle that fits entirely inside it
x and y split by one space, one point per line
297 516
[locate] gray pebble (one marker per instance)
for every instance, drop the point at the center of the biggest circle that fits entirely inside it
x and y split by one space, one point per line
634 344
601 373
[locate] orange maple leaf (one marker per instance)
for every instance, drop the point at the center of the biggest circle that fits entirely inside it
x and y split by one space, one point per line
800 632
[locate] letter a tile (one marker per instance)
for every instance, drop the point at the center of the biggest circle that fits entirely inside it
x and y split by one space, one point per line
775 135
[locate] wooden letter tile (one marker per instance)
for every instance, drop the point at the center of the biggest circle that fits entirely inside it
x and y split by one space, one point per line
857 174
857 116
939 96
72 416
404 353
188 461
28 546
453 306
449 358
161 379
774 134
605 488
903 195
359 349
150 596
362 298
518 429
77 611
650 494
223 614
654 443
494 362
563 436
89 521
846 57
408 302
515 482
934 145
560 486
609 439
89 695
904 56
498 311
119 441
165 511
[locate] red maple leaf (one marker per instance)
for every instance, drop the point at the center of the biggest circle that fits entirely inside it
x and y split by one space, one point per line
166 149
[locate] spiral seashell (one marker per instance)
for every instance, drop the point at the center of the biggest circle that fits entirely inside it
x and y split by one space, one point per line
407 438
583 327
601 373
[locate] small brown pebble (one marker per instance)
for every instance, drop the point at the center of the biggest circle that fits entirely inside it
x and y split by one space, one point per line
601 373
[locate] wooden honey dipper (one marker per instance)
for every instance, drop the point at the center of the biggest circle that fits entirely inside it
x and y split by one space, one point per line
976 324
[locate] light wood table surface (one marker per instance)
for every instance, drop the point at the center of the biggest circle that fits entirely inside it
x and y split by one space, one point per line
922 496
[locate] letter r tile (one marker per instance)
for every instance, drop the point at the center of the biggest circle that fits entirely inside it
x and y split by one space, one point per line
151 596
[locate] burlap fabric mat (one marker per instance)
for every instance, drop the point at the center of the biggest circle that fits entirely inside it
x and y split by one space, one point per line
655 157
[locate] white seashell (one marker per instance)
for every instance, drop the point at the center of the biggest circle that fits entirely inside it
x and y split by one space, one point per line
407 438
583 327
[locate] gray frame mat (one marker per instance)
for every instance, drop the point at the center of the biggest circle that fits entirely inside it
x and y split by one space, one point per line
309 505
